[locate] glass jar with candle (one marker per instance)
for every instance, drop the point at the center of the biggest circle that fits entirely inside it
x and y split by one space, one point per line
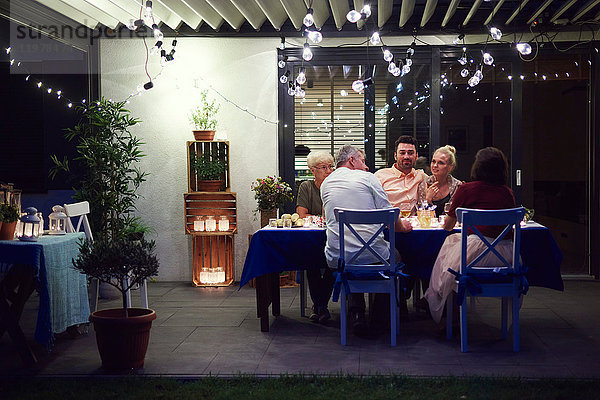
223 224
210 224
199 224
220 276
204 275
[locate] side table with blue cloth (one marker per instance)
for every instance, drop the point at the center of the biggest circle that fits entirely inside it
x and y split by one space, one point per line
275 250
62 289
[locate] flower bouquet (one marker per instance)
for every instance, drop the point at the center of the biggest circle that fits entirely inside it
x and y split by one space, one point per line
271 192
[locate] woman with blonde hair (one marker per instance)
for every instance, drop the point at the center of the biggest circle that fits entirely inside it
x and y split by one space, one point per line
439 188
320 282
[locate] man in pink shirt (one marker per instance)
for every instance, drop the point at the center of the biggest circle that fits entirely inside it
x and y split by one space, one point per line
401 180
401 183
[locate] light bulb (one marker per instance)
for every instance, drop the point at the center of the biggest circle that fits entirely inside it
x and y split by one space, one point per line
281 64
307 53
353 16
301 78
132 26
408 62
464 73
358 86
300 92
524 48
315 36
405 69
149 7
140 88
375 38
343 93
397 71
478 74
284 78
473 81
462 60
488 59
391 67
387 55
156 49
309 20
410 51
366 10
496 33
291 91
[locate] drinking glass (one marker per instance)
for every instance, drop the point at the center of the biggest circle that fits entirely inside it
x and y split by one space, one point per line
287 223
424 217
446 208
405 210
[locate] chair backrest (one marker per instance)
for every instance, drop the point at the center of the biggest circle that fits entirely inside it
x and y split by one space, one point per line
508 219
81 210
350 218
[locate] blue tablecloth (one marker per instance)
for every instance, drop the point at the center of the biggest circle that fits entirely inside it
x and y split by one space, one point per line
62 289
276 250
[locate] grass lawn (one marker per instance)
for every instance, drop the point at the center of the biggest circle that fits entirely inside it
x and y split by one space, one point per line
297 387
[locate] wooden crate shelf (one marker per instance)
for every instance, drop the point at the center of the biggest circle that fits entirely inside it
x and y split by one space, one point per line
213 255
216 204
217 150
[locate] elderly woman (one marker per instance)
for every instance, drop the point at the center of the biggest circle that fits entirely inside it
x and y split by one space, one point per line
487 191
439 188
320 283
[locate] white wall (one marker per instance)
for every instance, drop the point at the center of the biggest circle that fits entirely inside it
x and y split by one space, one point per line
245 72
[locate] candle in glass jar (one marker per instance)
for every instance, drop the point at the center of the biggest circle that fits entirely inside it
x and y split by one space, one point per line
211 224
223 224
220 275
198 224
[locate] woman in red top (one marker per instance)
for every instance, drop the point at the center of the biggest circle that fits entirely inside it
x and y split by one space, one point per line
487 191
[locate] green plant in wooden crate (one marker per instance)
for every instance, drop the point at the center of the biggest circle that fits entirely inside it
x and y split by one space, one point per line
207 168
203 115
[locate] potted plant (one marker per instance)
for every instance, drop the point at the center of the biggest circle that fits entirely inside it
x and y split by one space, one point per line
122 334
203 118
209 172
270 194
108 153
9 215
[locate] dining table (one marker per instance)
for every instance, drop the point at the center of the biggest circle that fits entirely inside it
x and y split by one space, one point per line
274 250
45 265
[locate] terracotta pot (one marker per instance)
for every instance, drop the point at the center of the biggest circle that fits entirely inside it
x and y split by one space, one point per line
210 186
7 230
122 342
204 135
265 215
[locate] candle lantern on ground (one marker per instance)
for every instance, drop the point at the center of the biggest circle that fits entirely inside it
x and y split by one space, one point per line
29 229
57 221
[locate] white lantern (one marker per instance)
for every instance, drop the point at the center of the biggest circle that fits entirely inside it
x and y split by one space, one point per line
29 231
57 221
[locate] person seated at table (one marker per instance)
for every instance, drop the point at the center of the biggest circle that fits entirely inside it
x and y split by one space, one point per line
488 191
320 282
439 188
401 181
351 186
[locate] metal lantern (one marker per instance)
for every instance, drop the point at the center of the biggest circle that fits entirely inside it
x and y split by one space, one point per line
57 221
29 230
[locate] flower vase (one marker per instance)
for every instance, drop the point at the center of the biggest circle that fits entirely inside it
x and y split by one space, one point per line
265 215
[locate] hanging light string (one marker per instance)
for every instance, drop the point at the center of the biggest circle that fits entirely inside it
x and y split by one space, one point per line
244 109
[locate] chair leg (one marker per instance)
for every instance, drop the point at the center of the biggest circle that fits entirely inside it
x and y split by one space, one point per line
393 317
144 293
504 317
515 322
463 325
449 302
343 317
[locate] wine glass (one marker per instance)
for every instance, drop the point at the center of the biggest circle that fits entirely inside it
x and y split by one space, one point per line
446 208
405 209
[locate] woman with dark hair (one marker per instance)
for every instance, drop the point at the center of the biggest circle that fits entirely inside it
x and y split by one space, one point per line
486 191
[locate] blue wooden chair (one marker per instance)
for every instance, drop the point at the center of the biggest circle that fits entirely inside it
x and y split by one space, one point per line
353 277
506 280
